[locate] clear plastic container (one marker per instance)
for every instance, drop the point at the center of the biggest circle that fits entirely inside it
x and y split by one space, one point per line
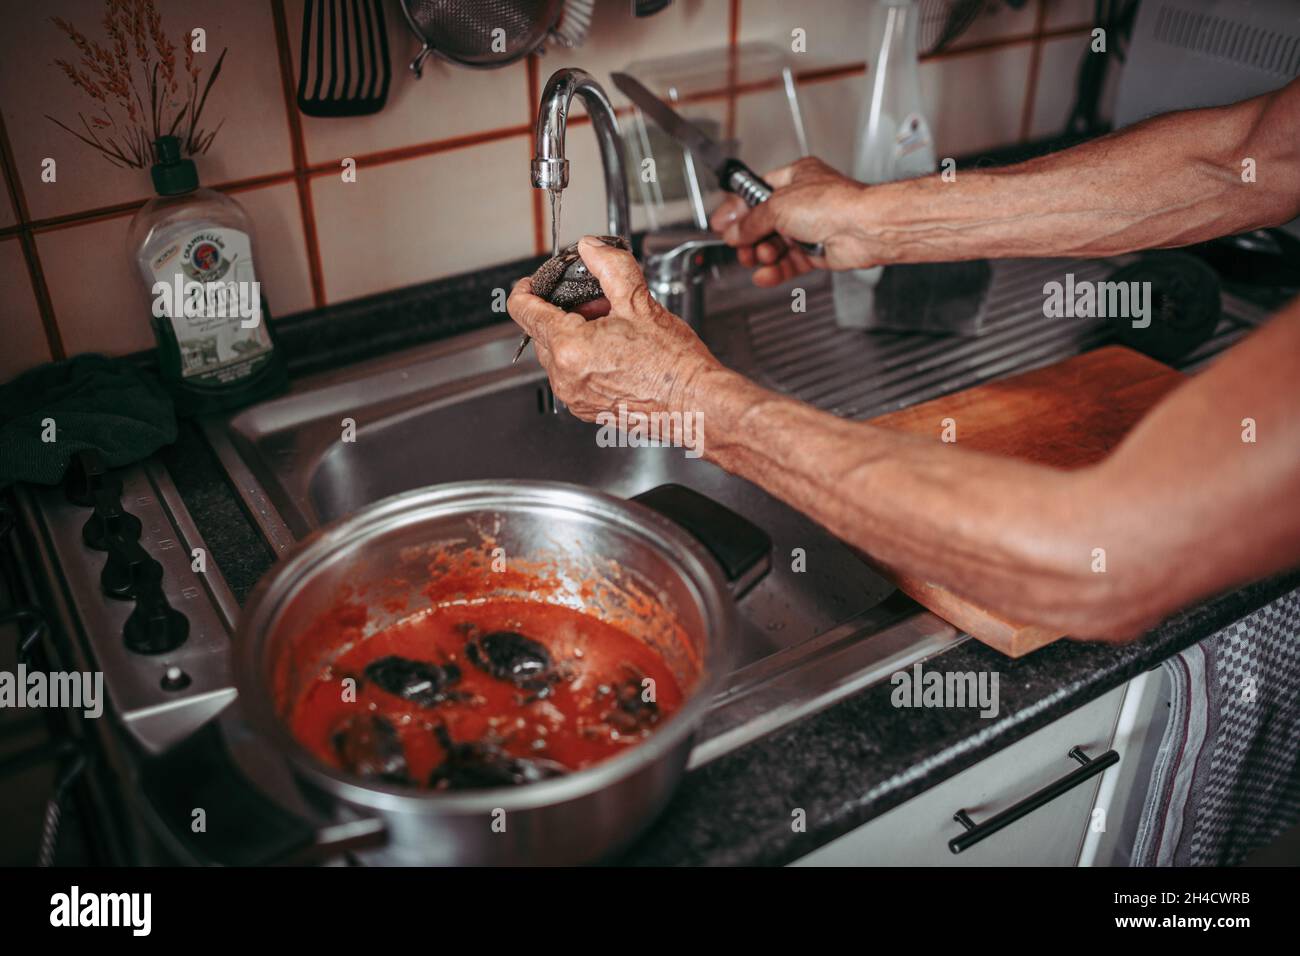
894 139
748 102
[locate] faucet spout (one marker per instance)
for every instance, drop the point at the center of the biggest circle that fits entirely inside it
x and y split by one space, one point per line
550 168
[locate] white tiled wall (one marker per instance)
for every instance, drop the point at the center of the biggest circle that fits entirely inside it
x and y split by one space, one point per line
434 208
23 333
94 315
253 142
836 30
7 216
1067 13
437 218
1062 58
446 102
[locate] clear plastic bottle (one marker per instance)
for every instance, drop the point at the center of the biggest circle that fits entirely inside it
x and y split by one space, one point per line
894 140
194 250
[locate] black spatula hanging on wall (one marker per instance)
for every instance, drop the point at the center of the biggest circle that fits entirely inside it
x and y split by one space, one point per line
344 69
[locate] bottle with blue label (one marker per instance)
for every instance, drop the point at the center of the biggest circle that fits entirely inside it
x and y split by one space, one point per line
194 250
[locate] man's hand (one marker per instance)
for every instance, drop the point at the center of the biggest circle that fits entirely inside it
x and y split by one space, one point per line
810 202
638 355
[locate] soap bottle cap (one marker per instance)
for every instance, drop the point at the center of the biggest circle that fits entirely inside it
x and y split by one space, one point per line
173 176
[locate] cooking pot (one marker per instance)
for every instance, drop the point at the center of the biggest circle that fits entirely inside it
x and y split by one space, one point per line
624 561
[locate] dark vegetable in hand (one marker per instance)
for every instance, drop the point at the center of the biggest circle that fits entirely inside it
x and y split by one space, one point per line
563 280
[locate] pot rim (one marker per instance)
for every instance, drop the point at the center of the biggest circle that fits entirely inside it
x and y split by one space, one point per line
276 590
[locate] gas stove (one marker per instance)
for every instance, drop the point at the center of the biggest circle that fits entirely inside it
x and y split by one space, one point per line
147 607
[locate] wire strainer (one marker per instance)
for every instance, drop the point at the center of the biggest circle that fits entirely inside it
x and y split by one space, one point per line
943 21
479 33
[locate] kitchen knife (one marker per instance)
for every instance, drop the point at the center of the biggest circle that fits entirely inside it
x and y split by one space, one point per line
733 175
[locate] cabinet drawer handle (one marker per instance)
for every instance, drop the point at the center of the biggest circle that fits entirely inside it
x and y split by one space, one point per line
1089 768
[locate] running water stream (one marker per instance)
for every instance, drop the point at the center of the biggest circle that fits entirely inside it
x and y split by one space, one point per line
555 220
556 195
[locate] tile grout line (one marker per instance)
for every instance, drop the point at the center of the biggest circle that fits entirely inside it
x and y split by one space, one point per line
299 152
1035 64
429 148
102 213
733 66
31 256
433 147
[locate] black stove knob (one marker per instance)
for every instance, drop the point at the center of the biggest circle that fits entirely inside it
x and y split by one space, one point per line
87 474
129 570
174 678
108 522
155 627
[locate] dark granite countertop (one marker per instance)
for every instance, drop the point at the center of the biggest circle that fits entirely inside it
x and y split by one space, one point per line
843 765
863 756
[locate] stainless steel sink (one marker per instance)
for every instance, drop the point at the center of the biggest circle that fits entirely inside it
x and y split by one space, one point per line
504 424
459 410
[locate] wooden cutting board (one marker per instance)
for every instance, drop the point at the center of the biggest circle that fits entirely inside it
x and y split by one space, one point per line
1066 415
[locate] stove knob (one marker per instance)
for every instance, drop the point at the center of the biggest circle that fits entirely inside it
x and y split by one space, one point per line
129 570
155 627
175 679
108 522
87 474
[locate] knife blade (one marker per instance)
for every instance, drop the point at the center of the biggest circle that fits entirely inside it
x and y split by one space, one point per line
733 175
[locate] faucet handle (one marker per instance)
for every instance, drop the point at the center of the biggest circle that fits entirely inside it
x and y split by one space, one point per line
672 259
671 253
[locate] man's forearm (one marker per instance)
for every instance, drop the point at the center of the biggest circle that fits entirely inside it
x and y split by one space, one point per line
1015 536
1184 507
1170 181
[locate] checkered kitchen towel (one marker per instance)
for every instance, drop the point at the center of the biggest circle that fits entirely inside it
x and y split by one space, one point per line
1227 775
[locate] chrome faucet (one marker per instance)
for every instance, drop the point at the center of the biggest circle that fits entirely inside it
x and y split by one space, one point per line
674 269
672 259
551 169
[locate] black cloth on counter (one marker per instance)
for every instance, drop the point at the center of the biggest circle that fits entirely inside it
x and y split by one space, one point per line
88 401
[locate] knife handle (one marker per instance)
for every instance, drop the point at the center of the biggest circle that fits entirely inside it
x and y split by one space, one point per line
754 189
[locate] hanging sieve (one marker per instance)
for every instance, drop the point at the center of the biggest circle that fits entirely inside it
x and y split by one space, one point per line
481 33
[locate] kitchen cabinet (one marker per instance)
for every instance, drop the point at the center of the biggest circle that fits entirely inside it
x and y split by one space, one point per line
1123 789
1063 832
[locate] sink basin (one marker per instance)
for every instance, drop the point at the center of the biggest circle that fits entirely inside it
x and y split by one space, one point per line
459 409
820 624
501 421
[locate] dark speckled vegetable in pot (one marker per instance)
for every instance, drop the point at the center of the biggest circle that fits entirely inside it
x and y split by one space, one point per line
474 766
369 746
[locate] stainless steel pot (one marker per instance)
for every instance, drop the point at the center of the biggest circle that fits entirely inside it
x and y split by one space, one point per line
381 551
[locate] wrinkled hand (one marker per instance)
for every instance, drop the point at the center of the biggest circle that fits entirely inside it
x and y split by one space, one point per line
811 202
638 354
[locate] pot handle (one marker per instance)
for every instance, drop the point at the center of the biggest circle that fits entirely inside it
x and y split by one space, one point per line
742 548
238 825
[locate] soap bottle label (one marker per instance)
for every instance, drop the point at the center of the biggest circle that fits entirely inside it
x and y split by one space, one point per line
207 289
913 148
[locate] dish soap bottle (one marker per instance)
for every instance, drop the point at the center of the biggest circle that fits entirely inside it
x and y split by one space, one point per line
894 140
194 249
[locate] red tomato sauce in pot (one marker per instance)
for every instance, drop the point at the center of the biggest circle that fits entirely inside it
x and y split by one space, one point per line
494 693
